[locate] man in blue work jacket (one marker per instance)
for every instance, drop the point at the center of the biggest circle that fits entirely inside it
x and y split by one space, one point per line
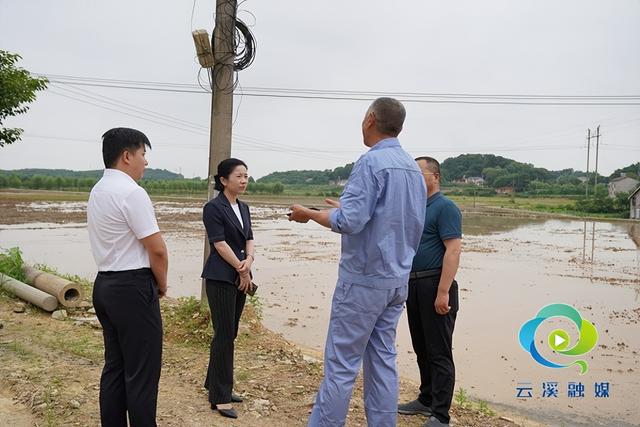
380 216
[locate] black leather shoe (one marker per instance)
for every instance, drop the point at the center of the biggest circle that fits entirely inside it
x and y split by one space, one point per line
229 413
235 398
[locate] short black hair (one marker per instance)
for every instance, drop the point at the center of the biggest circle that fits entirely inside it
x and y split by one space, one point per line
225 168
390 115
117 140
432 164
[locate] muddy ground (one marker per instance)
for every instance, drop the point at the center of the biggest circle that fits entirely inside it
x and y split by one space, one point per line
50 369
50 373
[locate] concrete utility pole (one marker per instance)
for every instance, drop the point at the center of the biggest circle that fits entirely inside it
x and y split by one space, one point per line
586 188
224 54
595 183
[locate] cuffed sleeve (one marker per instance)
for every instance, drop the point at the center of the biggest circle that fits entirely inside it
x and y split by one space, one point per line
138 212
212 219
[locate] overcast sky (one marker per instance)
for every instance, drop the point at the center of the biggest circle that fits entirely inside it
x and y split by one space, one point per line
581 47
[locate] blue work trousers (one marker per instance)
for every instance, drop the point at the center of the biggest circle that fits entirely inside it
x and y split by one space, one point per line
362 329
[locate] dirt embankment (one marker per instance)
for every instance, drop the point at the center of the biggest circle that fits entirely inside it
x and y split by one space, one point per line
50 373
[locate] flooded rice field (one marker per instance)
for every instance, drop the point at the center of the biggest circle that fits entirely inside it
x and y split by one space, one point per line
510 269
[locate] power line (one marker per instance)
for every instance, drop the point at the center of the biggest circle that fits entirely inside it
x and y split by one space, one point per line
181 124
255 144
341 95
335 91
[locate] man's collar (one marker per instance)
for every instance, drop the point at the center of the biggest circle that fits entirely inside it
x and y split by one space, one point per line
433 197
385 143
117 172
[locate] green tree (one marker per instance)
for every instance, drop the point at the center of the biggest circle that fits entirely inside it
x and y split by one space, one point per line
17 89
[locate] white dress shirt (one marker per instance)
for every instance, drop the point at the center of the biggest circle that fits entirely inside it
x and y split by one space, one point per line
119 214
236 209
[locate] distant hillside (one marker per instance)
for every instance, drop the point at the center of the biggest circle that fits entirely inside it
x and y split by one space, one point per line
498 171
158 174
309 176
632 171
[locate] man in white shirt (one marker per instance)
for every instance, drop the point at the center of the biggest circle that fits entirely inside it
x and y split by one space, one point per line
132 265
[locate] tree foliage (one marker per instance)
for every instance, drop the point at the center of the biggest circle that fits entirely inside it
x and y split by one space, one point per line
601 203
17 89
632 171
149 173
499 172
310 177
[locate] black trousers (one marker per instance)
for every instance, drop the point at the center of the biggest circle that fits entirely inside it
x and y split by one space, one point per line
127 306
226 304
432 336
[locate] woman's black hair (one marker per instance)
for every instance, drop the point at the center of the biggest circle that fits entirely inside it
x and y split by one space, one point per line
225 168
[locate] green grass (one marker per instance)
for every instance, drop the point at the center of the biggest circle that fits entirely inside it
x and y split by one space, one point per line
11 263
89 347
256 302
462 398
483 408
18 349
49 414
189 322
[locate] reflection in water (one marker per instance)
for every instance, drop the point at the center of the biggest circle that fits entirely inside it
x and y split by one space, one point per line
634 233
593 243
479 225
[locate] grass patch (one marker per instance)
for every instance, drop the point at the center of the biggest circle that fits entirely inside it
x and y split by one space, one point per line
257 305
17 348
188 322
484 409
242 375
463 400
11 263
50 392
88 347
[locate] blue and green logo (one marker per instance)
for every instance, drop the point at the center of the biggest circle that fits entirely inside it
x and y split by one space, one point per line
559 339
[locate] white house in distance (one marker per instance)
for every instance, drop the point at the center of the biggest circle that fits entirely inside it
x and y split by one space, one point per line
622 184
476 180
634 204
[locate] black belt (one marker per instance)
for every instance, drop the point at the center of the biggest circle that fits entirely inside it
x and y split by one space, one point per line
425 273
143 270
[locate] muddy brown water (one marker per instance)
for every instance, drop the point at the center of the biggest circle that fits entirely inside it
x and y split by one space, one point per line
510 268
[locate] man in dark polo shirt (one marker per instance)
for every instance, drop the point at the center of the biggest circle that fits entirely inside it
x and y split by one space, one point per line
432 303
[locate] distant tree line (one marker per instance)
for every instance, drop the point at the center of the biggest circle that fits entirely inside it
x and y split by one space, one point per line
153 186
602 203
309 177
499 172
149 173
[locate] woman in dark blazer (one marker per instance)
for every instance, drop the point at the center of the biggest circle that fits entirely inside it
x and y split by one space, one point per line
228 277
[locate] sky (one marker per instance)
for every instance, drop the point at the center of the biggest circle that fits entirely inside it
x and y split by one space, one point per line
528 47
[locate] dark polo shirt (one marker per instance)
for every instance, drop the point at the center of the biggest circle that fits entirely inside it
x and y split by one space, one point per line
443 221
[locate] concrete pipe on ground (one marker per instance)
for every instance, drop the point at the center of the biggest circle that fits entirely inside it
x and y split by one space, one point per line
29 293
68 293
